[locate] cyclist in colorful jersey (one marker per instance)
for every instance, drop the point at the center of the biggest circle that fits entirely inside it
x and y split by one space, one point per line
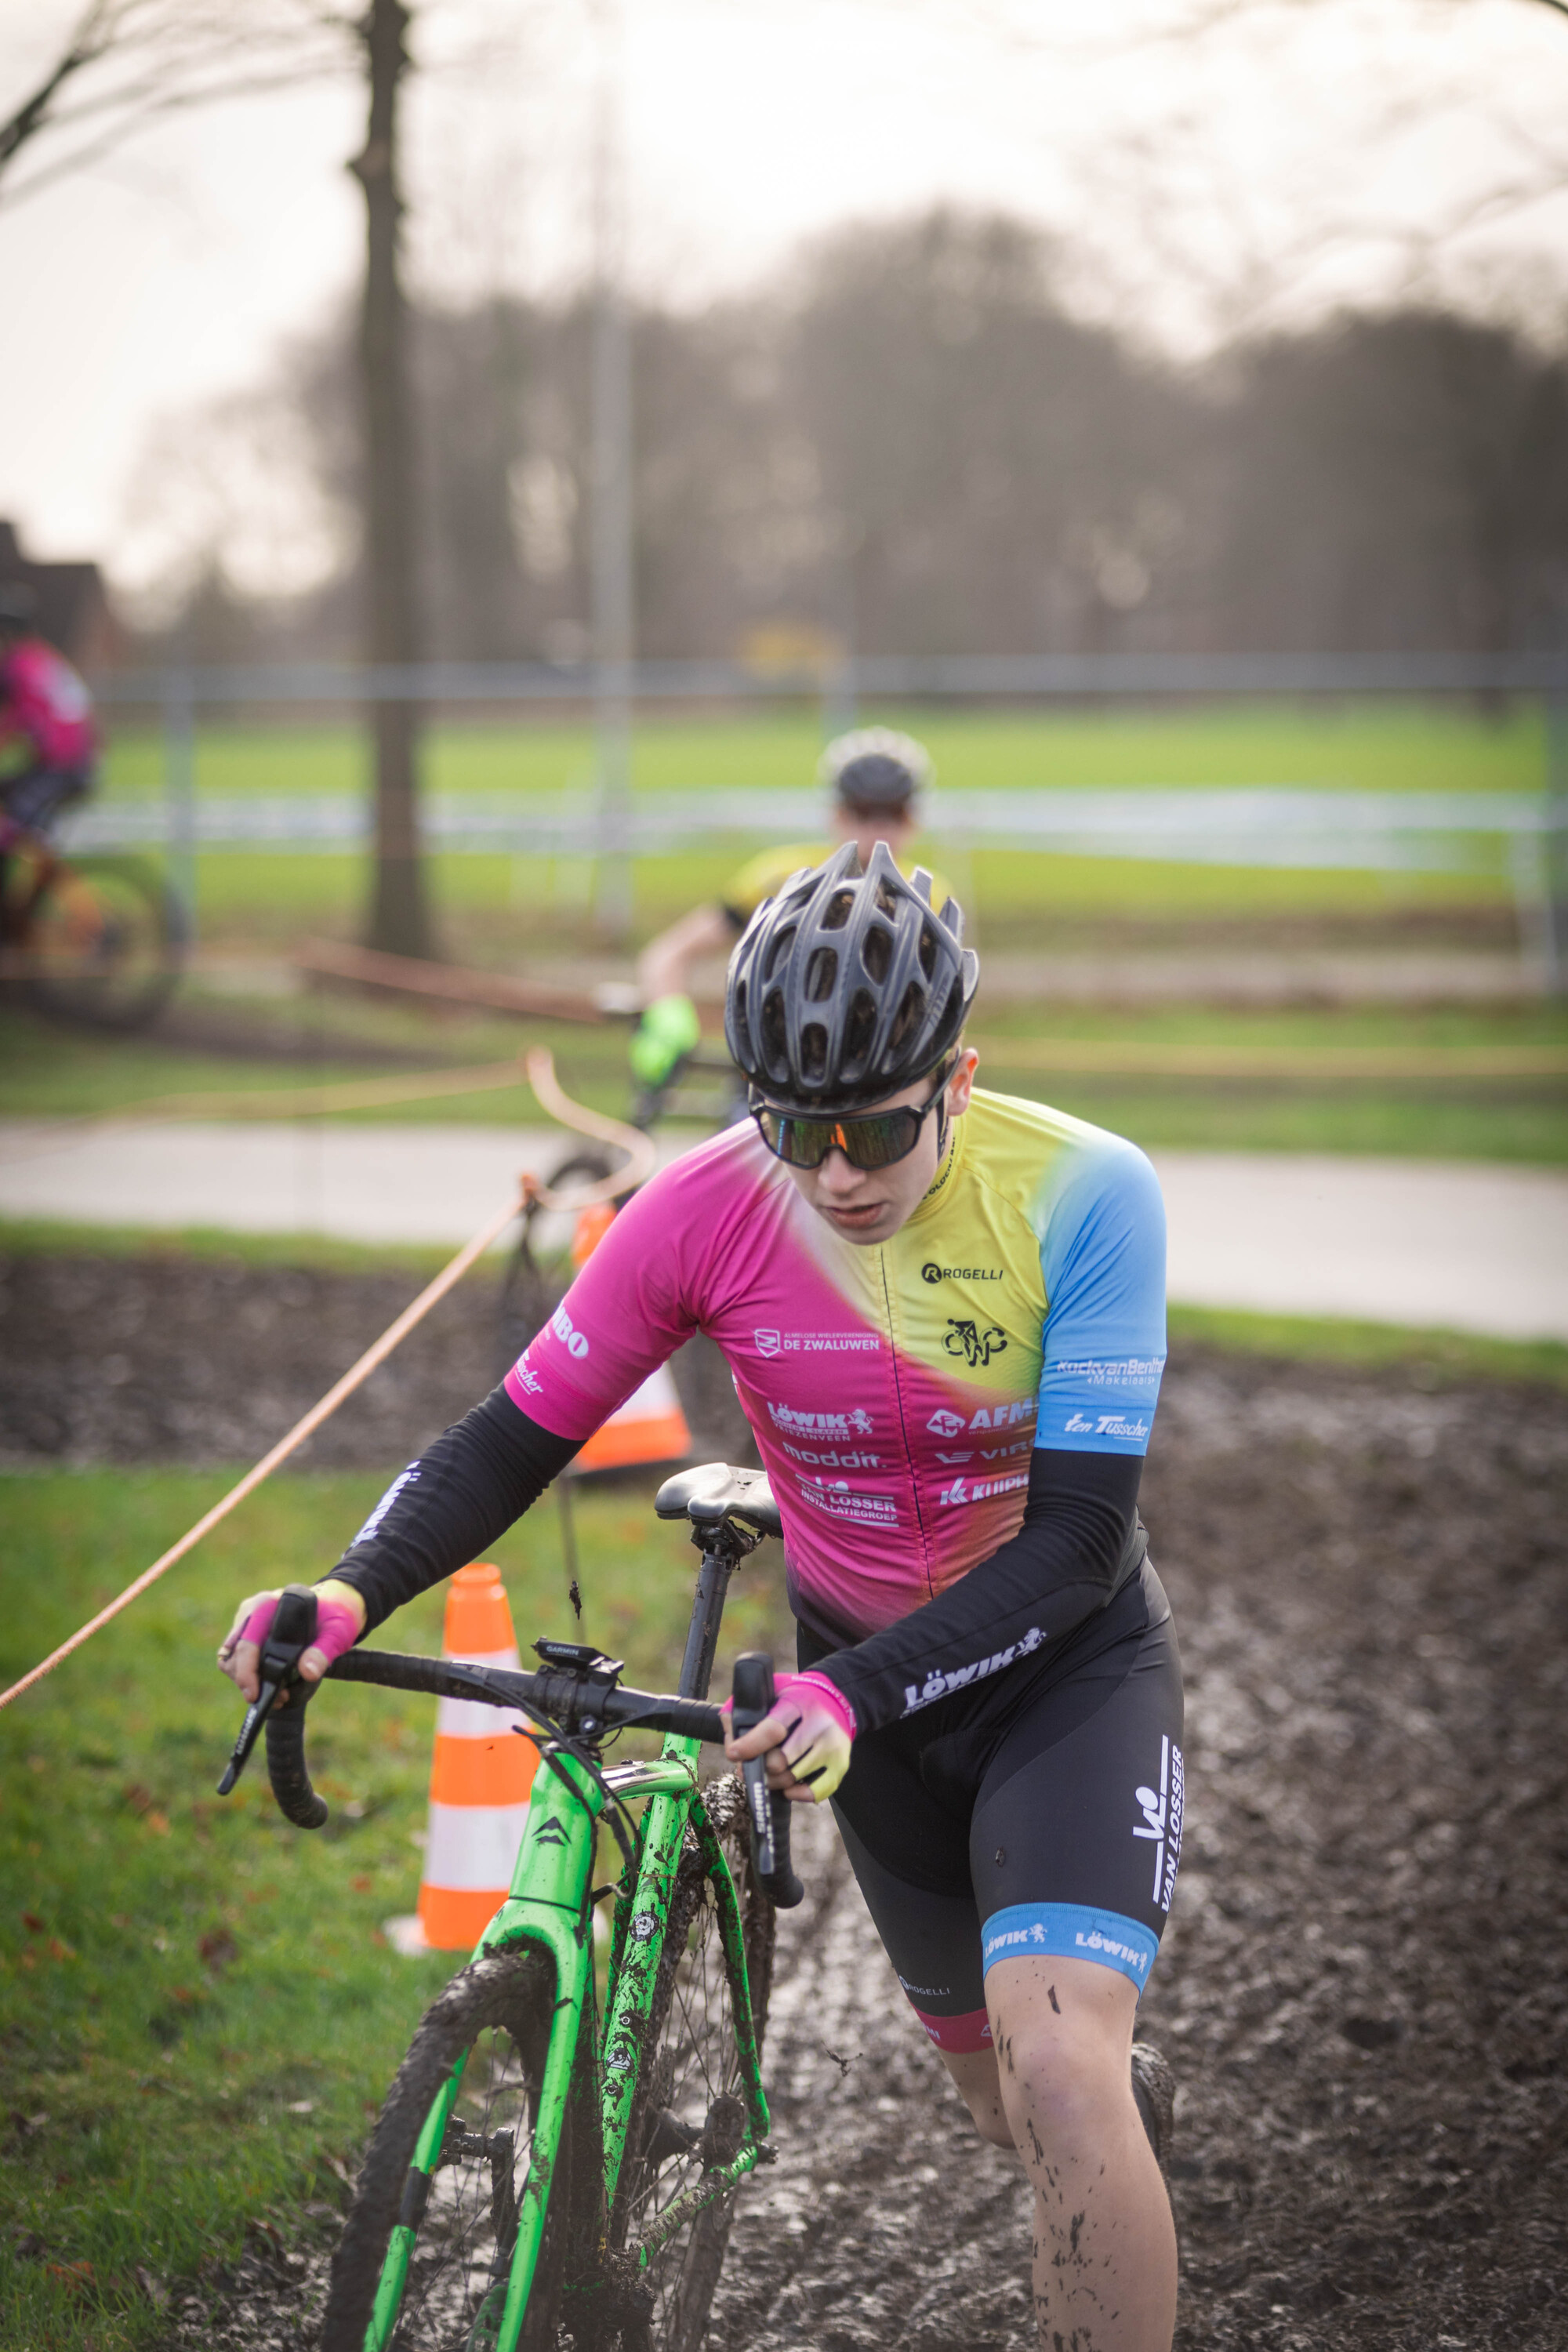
944 1310
48 744
876 777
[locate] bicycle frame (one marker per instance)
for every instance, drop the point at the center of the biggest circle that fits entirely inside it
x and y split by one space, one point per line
550 1905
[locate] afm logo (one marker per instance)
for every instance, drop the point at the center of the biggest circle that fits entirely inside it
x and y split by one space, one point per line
931 1272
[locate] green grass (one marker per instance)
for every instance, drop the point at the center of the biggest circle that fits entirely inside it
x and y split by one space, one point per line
1385 747
182 1974
52 1073
523 911
509 911
1433 1359
315 1252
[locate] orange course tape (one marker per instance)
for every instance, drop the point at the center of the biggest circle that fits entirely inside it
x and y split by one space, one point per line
640 1158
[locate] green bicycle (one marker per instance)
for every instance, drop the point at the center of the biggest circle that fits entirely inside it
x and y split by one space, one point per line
557 2160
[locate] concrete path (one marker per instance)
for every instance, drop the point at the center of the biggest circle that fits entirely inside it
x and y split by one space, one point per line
1470 1245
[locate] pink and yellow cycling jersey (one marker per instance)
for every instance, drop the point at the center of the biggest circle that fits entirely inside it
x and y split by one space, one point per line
898 1390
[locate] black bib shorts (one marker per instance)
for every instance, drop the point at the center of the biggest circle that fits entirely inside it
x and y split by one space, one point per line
1039 1813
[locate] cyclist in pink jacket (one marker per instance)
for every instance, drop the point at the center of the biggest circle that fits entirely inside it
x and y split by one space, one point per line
48 744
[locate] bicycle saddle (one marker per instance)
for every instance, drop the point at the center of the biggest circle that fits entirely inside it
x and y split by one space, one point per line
714 1492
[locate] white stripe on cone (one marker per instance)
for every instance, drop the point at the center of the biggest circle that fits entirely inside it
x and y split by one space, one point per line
653 1400
470 1719
473 1847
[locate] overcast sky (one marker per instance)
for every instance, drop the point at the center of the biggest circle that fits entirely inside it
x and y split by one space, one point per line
1283 156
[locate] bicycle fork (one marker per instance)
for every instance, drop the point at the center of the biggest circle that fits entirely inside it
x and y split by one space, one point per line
549 1906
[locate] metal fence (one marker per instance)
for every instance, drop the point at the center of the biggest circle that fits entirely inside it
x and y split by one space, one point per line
1520 838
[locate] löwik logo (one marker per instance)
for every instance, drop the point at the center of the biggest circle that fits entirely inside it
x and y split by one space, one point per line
854 1423
408 1477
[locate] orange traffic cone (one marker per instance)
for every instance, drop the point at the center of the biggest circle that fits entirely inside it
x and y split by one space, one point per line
650 1426
479 1783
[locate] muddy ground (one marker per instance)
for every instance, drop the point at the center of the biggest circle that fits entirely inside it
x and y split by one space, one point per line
1362 1987
173 1359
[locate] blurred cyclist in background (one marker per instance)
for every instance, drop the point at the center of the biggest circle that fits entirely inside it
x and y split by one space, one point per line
48 744
876 777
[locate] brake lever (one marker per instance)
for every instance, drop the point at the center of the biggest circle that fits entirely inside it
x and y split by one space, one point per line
292 1631
767 1808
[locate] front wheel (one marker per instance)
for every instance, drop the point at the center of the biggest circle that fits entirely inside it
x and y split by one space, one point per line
103 944
425 2257
689 2114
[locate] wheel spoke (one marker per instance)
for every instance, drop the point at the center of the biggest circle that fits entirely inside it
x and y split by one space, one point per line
693 2080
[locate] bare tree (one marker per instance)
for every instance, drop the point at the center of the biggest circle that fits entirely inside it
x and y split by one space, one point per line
399 920
126 65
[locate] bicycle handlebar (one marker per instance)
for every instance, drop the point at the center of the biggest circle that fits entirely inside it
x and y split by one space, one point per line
574 1701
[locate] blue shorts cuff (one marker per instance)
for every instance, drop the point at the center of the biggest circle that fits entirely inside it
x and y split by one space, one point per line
1069 1931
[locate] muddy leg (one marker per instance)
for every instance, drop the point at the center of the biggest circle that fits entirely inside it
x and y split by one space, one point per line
1105 2246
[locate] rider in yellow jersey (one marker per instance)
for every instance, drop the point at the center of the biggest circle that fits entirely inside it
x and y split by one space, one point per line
876 777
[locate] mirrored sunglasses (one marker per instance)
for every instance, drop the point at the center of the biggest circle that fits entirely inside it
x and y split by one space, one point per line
869 1140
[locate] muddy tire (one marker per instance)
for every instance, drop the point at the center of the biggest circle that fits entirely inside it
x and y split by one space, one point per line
689 2086
492 2019
104 945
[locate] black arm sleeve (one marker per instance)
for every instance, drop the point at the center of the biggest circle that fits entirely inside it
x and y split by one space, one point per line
1074 1549
450 1505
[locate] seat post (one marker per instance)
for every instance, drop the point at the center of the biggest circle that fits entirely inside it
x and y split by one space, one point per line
707 1610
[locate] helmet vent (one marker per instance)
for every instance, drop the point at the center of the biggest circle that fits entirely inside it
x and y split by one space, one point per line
952 1008
778 950
860 1026
928 950
886 900
907 1019
821 973
836 912
814 1050
877 952
775 1032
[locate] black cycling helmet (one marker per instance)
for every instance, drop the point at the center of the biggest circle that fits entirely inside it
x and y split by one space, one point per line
873 769
847 986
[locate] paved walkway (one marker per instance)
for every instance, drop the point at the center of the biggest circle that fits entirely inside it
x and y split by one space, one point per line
1470 1245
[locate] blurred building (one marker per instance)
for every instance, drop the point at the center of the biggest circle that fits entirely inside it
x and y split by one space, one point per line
73 610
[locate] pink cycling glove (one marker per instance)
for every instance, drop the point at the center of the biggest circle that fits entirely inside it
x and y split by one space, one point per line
336 1631
821 1730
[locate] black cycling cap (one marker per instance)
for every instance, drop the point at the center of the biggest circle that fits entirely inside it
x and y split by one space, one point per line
874 768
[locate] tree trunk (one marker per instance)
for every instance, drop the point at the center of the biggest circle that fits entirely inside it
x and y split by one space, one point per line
399 918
